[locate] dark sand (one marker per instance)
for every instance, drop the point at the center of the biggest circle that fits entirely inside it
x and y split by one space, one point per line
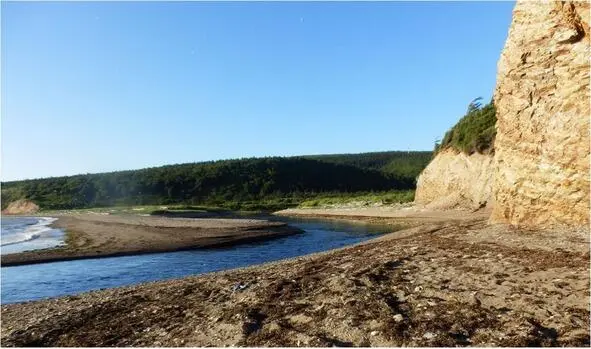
459 283
96 235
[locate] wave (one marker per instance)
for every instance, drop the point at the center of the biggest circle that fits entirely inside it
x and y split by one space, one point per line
30 233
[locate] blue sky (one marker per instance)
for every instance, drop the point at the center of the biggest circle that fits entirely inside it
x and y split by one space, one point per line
93 87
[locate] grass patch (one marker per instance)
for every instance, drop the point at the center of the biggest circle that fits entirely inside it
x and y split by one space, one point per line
106 210
360 199
254 206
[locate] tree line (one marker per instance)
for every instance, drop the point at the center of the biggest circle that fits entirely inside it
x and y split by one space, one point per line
216 182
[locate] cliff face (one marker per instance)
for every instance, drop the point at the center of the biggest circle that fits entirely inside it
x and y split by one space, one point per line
456 180
540 172
542 97
21 207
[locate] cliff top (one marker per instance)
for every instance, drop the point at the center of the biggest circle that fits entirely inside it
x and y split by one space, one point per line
475 132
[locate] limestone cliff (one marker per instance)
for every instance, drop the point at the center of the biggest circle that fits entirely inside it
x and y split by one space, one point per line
456 180
542 97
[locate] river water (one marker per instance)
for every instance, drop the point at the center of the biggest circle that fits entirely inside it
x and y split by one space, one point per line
37 281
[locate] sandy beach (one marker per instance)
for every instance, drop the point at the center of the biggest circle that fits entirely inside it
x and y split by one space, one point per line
97 235
439 284
406 214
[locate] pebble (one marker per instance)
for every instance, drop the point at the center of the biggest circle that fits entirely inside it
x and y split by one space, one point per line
398 317
429 335
319 307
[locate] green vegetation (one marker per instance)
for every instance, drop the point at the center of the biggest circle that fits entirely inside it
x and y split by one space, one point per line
475 132
388 197
402 164
311 200
107 210
247 184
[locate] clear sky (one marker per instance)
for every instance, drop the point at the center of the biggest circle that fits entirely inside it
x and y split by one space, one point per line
93 87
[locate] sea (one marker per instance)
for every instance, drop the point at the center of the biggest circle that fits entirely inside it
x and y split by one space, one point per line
21 234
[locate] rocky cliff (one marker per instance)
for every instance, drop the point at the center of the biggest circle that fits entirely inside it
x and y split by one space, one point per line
456 180
540 172
542 97
21 207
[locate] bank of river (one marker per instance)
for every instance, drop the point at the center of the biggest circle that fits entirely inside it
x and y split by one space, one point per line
37 281
436 285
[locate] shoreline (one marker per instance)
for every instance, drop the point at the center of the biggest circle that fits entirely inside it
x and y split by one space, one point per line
31 236
460 282
98 236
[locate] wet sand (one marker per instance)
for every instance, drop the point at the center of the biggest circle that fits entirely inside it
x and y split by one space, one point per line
96 235
453 283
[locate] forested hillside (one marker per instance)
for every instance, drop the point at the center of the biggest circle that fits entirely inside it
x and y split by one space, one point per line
397 163
220 182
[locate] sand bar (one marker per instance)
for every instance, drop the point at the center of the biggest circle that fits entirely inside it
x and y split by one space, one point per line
97 235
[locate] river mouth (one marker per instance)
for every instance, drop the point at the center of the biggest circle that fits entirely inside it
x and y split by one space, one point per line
21 234
54 279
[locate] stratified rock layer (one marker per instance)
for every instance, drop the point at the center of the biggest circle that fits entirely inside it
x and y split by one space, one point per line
456 180
542 100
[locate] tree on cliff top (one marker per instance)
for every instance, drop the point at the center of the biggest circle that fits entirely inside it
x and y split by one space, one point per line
475 132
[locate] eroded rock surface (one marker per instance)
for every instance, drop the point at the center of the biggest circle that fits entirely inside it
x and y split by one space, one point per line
456 180
21 207
542 99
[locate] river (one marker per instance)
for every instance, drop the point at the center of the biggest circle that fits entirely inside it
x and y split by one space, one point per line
38 281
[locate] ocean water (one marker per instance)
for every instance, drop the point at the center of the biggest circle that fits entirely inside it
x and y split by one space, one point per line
37 281
20 234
